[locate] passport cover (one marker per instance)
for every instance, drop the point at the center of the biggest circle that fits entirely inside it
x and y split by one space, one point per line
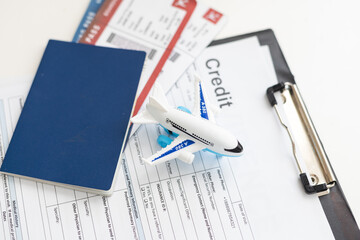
75 120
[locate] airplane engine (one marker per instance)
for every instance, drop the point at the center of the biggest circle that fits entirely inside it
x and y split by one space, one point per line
187 157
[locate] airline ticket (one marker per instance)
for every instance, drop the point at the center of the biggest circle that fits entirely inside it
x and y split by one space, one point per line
172 34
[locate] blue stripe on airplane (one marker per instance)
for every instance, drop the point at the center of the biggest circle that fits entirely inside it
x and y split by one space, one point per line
178 147
203 110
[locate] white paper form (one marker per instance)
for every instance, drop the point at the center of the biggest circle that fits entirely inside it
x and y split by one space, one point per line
256 196
12 99
276 204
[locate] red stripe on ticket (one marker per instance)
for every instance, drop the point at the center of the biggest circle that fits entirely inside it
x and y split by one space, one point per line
183 4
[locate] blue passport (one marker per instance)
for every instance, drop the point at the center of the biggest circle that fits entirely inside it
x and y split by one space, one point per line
74 124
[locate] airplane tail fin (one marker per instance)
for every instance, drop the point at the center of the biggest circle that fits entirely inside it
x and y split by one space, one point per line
143 117
158 99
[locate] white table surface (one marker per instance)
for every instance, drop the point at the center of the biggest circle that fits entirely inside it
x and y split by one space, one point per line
320 40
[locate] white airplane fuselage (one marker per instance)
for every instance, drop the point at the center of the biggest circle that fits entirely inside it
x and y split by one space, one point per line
199 130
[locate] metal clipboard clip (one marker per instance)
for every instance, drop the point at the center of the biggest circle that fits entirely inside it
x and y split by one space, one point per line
307 141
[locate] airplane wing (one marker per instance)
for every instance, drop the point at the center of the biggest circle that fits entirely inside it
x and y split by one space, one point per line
181 148
202 108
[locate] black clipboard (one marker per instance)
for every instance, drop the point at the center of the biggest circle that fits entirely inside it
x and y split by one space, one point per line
336 208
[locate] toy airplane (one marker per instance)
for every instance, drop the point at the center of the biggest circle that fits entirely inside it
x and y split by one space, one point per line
192 132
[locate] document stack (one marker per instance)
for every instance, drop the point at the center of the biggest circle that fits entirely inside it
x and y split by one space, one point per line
258 195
